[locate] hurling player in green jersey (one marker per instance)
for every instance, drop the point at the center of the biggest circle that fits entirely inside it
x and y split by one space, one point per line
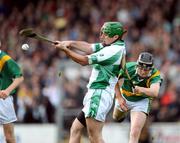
10 78
146 80
105 59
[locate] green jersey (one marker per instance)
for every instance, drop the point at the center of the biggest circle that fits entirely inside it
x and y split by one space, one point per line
127 89
106 64
9 70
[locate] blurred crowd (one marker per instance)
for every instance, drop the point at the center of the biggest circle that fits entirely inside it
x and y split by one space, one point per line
153 25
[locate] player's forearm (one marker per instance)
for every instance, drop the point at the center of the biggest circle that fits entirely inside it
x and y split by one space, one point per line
82 46
83 60
117 91
15 84
150 91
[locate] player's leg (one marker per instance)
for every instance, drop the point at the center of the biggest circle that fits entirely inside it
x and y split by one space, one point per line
76 128
8 116
9 133
139 111
98 102
145 136
138 120
118 114
94 129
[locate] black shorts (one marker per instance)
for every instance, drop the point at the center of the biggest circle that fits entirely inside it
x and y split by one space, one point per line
81 118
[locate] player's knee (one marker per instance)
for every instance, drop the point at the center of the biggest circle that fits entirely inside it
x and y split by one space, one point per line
115 116
75 130
135 133
93 132
90 137
94 137
118 116
10 139
76 127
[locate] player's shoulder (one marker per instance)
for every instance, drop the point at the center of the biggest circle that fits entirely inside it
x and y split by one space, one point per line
119 43
131 67
4 57
113 48
155 77
118 46
156 72
131 64
2 53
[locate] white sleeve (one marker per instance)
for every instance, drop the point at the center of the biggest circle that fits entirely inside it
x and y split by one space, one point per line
107 55
96 47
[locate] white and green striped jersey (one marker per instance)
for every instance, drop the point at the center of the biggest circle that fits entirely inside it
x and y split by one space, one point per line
106 65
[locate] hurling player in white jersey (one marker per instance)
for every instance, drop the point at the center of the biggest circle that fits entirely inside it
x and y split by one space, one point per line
105 59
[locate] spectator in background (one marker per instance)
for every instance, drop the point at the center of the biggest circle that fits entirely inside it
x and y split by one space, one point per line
105 57
10 78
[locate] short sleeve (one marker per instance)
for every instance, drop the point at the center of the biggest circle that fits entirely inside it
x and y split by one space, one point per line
13 69
96 47
155 78
106 56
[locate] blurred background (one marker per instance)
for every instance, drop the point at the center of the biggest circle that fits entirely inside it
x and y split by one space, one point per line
47 103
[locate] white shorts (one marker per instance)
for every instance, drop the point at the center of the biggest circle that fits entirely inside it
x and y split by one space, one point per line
7 112
141 105
97 103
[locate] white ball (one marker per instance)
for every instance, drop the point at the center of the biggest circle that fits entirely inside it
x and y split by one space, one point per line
25 47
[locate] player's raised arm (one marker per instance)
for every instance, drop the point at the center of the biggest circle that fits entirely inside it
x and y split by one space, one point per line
81 59
79 45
